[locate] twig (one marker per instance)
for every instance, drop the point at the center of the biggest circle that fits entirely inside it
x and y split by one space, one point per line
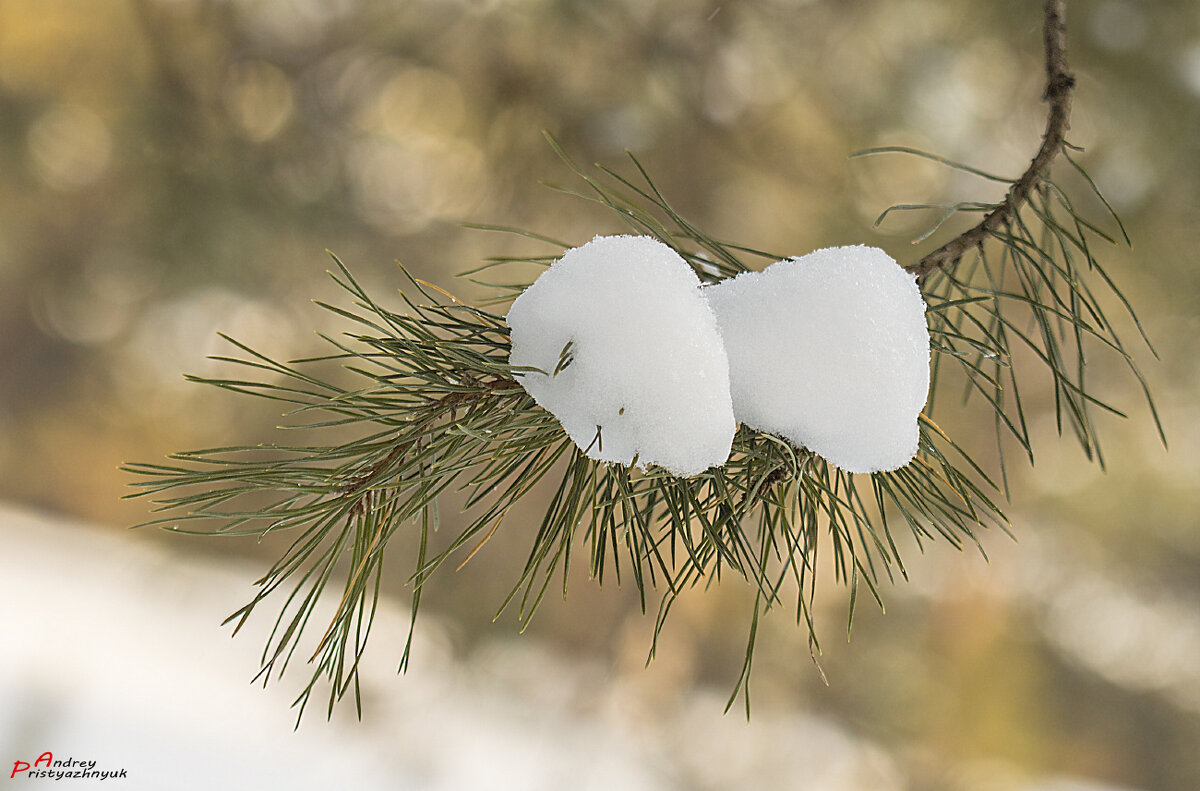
358 483
1059 85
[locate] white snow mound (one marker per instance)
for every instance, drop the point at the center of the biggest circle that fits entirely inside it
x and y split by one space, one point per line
830 350
648 376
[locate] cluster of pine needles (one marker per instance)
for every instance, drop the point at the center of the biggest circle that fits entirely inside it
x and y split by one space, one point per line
425 404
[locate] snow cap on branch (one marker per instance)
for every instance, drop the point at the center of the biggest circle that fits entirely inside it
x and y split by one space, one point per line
630 359
831 351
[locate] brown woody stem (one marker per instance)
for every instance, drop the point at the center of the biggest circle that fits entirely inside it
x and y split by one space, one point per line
356 485
1059 86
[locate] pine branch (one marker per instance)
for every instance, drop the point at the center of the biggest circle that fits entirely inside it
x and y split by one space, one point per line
1060 85
426 404
1020 278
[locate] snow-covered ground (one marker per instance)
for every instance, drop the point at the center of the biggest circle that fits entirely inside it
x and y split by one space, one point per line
111 651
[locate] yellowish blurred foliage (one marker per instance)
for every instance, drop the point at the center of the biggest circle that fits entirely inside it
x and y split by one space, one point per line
174 169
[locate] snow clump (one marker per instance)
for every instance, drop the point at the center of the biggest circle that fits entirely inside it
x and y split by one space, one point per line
628 355
831 351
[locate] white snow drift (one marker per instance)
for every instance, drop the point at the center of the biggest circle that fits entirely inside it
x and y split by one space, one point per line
637 360
647 374
830 350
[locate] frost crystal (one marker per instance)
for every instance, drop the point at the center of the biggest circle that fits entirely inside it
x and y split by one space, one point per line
630 360
830 350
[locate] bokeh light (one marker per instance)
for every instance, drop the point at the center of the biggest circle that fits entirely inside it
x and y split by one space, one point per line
177 168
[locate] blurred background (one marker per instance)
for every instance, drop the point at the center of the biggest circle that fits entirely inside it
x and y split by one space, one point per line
174 168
